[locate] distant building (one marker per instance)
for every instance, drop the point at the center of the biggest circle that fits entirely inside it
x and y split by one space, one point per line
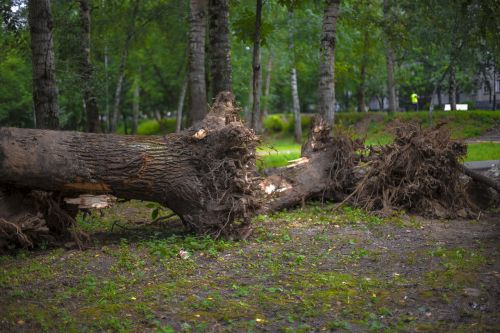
488 86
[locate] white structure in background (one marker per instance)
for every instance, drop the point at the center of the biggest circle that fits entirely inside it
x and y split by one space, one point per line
460 107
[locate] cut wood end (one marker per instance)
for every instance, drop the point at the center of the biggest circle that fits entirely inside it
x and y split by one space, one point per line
298 161
200 134
88 201
271 186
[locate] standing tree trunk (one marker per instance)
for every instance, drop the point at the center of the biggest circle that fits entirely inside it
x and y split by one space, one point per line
123 64
220 49
389 60
86 71
136 105
180 105
452 92
326 110
293 80
107 126
197 83
267 88
44 77
494 105
362 85
256 78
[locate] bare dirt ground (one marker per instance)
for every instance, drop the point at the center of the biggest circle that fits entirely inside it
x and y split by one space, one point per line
306 270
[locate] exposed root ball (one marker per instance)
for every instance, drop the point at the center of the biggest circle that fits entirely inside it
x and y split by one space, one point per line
29 218
227 156
419 172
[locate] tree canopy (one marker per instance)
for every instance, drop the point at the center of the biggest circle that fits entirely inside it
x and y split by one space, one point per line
435 43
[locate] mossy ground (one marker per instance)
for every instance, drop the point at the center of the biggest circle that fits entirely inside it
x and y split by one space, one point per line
309 269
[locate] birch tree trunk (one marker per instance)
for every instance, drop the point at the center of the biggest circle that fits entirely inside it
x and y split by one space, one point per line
267 88
121 69
390 62
44 77
86 71
362 85
327 63
256 78
136 105
220 48
293 81
494 104
197 83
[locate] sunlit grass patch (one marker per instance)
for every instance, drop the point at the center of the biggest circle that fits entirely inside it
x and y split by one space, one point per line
483 151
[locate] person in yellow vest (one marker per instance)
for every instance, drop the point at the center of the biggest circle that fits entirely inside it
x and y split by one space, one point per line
414 101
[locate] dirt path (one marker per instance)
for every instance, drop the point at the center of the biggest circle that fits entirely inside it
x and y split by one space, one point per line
306 270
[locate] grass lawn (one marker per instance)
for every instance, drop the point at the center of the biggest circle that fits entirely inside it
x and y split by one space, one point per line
277 153
483 151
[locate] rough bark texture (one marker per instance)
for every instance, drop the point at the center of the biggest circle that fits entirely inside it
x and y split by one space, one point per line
44 77
220 48
197 84
389 60
256 78
293 81
327 65
202 174
86 71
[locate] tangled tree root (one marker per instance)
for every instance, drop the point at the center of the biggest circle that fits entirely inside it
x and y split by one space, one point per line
419 172
28 219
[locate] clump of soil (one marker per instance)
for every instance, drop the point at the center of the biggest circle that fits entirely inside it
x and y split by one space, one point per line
420 172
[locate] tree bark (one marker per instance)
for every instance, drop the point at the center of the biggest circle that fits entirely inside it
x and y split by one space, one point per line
197 83
256 78
180 105
86 71
267 88
121 69
494 104
136 105
293 81
389 60
452 92
362 72
327 63
44 77
220 49
202 174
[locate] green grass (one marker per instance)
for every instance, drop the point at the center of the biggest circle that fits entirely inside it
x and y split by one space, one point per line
483 151
285 150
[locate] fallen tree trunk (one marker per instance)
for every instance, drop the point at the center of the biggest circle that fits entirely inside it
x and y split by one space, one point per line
202 173
326 170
